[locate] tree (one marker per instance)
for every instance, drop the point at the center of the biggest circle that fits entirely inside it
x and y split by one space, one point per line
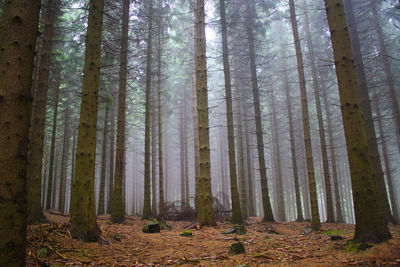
83 210
20 20
367 110
100 209
205 214
325 164
370 220
117 203
315 220
38 113
147 198
268 216
236 210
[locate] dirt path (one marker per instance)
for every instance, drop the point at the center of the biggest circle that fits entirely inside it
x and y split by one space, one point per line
278 244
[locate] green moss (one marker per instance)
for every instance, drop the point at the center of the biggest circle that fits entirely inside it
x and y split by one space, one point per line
352 245
187 233
333 232
237 248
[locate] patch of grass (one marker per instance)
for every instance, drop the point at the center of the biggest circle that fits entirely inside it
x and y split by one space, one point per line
334 232
352 245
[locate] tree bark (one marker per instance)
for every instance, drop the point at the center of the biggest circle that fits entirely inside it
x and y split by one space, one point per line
268 216
83 209
370 220
315 219
38 113
117 202
205 214
65 155
100 208
366 111
18 34
236 209
147 196
325 164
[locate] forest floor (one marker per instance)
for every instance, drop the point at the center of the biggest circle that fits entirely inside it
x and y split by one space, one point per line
278 244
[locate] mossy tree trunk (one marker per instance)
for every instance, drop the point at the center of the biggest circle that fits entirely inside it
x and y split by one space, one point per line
371 223
83 210
117 202
18 34
315 219
367 110
205 214
147 196
38 113
111 160
236 209
268 216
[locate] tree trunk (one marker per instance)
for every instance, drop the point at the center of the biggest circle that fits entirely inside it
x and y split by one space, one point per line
111 161
236 210
338 206
147 198
100 209
370 220
387 69
160 120
299 210
50 183
38 113
205 214
366 111
325 164
117 202
64 160
18 33
153 119
83 208
315 219
386 162
268 216
277 155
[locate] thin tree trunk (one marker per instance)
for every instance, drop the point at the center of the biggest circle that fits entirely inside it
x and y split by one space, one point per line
73 157
64 160
160 120
50 202
111 160
268 216
182 153
154 154
387 68
315 219
236 209
338 206
83 208
370 219
325 164
118 197
277 154
251 194
299 210
100 209
386 162
147 196
18 34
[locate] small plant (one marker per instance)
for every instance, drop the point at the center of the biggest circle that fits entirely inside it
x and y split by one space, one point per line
187 233
42 252
352 245
333 232
237 248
